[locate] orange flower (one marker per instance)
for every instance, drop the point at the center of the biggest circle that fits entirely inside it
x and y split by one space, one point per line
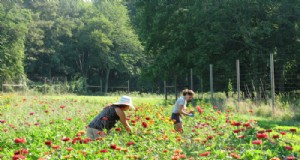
56 147
207 153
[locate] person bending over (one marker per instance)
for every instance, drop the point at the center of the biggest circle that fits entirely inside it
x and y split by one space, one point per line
109 116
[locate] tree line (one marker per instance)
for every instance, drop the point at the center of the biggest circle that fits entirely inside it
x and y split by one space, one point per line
179 35
150 41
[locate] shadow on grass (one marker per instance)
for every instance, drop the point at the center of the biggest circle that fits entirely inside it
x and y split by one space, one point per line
268 123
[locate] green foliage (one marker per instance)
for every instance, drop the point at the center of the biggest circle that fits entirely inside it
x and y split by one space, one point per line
180 35
14 21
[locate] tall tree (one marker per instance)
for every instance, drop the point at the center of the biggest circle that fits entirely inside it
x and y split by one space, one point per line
14 22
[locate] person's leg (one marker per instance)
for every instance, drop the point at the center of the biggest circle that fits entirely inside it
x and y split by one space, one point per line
96 133
179 127
93 133
89 133
177 122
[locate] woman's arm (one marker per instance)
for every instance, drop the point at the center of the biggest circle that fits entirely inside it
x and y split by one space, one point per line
181 110
123 120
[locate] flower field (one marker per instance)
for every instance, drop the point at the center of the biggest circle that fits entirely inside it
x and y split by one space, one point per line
46 127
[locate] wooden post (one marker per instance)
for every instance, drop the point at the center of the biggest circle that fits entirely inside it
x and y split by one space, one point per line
165 90
44 85
238 82
211 83
101 87
192 87
128 86
272 82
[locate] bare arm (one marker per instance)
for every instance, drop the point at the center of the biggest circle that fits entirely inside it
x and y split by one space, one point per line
123 120
181 111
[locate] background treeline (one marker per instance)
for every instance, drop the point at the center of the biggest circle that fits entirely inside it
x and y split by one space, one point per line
148 41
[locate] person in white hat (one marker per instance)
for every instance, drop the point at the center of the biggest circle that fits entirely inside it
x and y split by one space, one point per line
109 116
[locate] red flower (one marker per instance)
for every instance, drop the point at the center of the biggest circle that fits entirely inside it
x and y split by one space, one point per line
283 133
76 139
293 130
246 124
48 143
257 142
261 135
199 109
215 107
242 136
62 106
261 131
31 113
113 146
118 129
269 130
21 152
66 139
99 139
145 125
20 140
205 154
56 147
148 118
68 119
132 121
17 157
101 133
2 121
103 150
69 149
236 124
237 131
104 118
289 148
87 140
290 158
275 136
130 143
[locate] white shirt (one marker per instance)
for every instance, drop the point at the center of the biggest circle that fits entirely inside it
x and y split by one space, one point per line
180 101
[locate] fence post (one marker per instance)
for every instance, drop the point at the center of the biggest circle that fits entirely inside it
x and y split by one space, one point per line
211 83
100 85
44 85
128 86
192 87
238 85
165 90
272 82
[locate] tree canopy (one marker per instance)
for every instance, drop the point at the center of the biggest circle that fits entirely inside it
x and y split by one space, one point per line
150 41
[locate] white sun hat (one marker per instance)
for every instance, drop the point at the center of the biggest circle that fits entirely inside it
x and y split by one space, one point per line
125 100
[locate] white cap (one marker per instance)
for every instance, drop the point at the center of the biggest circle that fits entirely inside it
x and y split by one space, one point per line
125 100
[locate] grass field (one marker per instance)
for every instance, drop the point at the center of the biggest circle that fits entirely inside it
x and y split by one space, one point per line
53 127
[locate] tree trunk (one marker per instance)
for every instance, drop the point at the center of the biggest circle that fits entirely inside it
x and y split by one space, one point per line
106 80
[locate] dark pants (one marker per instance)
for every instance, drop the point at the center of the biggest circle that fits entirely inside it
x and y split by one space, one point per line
176 117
